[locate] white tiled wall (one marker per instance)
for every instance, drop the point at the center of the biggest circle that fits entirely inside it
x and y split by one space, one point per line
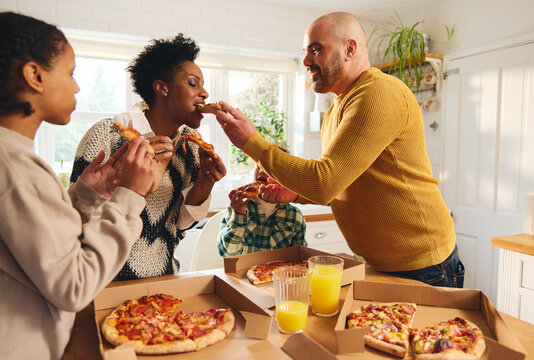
257 25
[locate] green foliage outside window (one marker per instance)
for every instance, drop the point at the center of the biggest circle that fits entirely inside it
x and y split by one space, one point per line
99 94
270 123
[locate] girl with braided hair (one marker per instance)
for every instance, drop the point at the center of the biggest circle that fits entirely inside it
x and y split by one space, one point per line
55 256
166 77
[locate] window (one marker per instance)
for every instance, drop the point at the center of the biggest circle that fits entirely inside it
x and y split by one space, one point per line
106 92
241 79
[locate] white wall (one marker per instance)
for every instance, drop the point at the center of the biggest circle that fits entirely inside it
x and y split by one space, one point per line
479 22
229 23
265 27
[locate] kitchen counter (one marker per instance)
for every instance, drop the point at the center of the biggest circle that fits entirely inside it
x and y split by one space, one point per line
522 243
515 285
311 212
84 340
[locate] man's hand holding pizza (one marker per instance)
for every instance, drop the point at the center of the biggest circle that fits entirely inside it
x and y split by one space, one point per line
235 124
276 193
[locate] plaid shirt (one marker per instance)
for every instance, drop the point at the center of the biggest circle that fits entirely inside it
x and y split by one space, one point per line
253 232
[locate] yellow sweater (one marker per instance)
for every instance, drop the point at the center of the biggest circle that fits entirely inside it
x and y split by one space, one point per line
375 173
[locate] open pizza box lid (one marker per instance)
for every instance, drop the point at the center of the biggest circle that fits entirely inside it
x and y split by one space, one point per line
200 293
434 304
263 294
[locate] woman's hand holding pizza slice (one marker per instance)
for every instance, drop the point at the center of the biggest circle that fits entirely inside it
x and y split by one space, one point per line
211 166
104 178
138 167
164 151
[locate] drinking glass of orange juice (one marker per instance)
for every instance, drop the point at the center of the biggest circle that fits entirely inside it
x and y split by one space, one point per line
326 272
291 294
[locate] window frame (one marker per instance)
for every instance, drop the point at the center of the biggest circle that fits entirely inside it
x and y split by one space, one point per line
220 61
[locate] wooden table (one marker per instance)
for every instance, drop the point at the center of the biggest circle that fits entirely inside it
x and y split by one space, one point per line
84 339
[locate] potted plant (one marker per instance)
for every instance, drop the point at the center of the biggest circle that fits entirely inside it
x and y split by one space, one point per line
405 45
270 123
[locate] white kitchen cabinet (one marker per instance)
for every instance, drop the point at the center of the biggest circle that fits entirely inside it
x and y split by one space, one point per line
515 288
326 236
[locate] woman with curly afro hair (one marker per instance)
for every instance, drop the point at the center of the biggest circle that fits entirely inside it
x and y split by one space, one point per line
56 255
166 77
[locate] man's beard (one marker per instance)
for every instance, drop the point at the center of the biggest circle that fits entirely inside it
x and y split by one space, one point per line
328 76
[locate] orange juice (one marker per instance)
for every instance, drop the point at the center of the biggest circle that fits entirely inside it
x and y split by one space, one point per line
325 289
291 316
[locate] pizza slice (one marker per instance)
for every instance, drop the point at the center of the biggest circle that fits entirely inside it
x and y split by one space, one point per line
195 138
251 190
206 328
129 134
146 323
208 108
263 273
389 326
452 339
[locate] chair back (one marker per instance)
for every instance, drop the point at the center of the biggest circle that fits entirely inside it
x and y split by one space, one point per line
206 255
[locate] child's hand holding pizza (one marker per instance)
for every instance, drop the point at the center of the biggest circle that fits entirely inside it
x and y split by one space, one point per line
276 193
238 201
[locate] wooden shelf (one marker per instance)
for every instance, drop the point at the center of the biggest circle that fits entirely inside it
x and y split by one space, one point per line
429 57
435 61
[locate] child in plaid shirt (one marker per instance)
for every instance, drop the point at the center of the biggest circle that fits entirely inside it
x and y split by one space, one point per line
253 226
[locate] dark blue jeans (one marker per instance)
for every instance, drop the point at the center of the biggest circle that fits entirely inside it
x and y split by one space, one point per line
449 273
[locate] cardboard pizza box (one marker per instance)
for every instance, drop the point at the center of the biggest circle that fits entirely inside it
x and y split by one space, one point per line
200 292
434 304
263 294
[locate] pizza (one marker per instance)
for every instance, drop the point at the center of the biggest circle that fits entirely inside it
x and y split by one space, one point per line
154 326
389 326
129 134
251 190
195 138
263 273
390 331
208 108
452 339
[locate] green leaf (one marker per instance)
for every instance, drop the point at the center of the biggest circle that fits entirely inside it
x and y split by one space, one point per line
270 123
400 41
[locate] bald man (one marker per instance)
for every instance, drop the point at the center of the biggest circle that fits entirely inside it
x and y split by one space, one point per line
373 171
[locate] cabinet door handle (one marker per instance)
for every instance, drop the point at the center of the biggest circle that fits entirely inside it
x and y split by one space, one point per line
319 235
